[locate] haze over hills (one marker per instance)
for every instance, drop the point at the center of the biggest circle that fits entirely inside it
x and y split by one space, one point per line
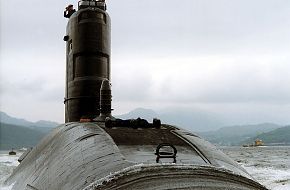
237 135
190 119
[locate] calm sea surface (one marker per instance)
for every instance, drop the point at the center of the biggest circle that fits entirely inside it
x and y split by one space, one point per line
269 165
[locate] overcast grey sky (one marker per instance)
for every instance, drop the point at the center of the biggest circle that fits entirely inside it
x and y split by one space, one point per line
231 58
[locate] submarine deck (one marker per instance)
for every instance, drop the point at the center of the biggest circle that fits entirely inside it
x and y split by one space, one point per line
77 155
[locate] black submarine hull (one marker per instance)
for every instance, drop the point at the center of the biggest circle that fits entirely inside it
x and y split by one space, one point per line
92 156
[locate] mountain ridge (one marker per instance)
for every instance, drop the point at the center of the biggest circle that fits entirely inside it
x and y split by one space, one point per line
237 134
5 118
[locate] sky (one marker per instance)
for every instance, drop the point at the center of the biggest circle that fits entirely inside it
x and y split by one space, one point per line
229 58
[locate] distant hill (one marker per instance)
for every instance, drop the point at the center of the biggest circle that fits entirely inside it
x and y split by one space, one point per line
277 136
19 133
237 135
5 118
143 113
190 119
14 136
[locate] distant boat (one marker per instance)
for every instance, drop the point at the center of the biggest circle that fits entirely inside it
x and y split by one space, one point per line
258 142
23 149
12 152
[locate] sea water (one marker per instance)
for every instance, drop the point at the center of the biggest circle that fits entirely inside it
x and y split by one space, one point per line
268 165
7 164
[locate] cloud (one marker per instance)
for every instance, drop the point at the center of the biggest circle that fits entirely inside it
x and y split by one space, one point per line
164 53
131 83
208 80
201 27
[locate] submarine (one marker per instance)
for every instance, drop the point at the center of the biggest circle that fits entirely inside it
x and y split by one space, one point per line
94 150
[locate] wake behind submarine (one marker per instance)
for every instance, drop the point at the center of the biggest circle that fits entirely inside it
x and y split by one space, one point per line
94 150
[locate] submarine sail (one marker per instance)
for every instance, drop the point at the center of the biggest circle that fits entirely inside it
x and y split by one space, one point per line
88 52
94 150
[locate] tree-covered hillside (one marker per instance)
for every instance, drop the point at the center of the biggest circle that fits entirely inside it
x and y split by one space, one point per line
14 136
278 136
237 135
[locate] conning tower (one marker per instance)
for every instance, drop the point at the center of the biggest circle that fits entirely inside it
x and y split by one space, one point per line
88 52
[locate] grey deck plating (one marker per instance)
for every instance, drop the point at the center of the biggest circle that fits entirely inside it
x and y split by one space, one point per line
76 155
